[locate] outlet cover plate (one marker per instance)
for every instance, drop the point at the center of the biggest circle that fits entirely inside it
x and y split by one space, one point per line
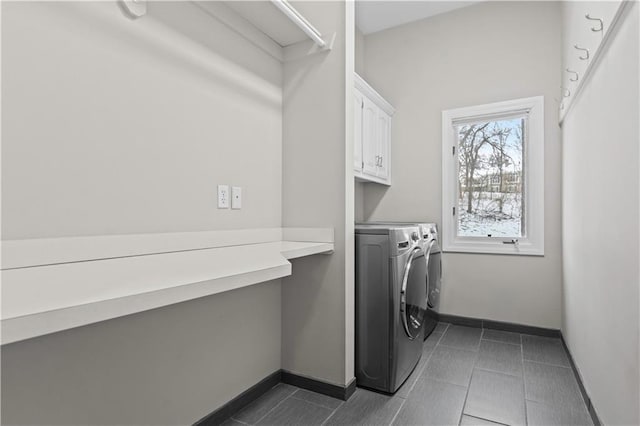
223 196
236 197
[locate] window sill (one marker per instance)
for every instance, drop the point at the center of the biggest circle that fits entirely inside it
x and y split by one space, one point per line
522 249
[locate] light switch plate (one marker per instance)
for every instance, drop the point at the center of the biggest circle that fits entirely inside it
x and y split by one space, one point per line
236 197
223 196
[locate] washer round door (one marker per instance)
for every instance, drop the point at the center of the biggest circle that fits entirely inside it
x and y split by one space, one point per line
413 297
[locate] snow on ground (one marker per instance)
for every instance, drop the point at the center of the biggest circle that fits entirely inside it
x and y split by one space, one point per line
486 218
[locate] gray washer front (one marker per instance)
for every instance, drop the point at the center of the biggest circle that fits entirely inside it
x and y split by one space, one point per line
430 243
390 304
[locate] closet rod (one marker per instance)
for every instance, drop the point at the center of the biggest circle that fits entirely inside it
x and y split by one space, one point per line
300 21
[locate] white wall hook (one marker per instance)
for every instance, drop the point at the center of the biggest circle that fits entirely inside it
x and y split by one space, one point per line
594 29
134 8
572 72
586 52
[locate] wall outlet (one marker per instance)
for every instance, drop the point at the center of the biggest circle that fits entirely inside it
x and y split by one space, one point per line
236 197
223 196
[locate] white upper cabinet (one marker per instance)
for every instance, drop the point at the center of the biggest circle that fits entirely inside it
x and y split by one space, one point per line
369 137
372 145
383 131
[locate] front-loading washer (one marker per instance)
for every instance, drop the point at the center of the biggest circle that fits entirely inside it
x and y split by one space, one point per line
429 240
391 303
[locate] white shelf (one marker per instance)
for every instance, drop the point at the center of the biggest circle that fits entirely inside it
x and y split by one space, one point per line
38 300
295 249
273 26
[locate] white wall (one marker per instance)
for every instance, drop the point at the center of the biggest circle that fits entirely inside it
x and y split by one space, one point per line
317 300
168 366
359 68
489 52
359 52
118 126
601 185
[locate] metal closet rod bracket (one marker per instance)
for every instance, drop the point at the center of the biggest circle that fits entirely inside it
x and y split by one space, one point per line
300 21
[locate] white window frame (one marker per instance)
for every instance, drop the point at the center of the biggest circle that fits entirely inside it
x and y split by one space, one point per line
533 241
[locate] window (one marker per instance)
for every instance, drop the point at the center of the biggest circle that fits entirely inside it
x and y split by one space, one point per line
493 178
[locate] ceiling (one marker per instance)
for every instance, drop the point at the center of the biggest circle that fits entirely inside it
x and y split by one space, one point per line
371 15
375 15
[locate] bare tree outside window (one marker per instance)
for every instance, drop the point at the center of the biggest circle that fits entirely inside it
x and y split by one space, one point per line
491 178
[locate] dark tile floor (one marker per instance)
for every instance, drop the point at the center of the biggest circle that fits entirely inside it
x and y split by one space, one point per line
466 376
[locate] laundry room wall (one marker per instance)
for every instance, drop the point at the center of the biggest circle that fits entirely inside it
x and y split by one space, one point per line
127 126
601 184
111 126
317 299
488 52
359 52
359 67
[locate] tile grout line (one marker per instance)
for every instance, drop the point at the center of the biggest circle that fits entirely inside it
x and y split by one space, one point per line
466 395
498 372
498 341
544 403
404 400
522 335
314 403
463 349
445 382
413 385
393 419
545 363
332 413
486 420
524 385
240 411
275 406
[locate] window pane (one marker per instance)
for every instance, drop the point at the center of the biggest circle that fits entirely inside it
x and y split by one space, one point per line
490 178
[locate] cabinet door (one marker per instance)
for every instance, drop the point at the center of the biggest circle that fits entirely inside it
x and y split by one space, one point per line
369 138
357 130
383 142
